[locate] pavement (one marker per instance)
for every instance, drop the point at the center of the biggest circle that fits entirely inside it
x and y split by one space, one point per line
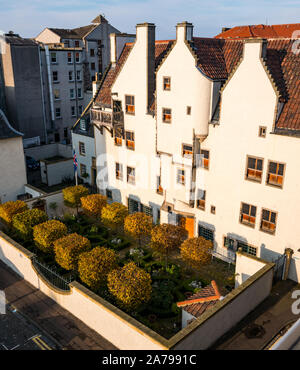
17 333
31 314
264 325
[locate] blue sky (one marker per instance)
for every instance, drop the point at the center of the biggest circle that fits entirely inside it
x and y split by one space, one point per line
30 17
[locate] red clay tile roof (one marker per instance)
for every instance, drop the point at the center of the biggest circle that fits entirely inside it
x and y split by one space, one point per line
104 96
284 66
216 58
200 302
260 30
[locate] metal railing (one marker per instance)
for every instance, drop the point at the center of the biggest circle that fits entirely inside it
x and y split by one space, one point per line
52 276
107 118
224 254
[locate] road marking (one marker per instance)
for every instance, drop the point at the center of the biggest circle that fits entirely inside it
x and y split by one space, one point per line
4 346
40 343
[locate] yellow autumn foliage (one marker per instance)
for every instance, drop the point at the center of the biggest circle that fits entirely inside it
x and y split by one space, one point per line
196 252
24 222
130 285
73 194
45 234
114 214
68 249
94 266
167 237
138 224
92 204
9 209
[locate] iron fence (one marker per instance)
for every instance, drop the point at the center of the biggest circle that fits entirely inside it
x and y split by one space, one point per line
52 276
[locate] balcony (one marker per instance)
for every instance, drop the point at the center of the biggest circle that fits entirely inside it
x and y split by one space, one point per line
109 119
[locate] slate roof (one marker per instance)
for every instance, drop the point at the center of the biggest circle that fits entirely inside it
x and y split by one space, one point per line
6 131
75 33
200 302
260 30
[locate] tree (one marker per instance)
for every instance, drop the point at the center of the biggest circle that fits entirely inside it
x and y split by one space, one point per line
24 222
113 215
94 266
45 234
93 204
73 194
9 209
138 225
196 252
68 249
167 237
130 285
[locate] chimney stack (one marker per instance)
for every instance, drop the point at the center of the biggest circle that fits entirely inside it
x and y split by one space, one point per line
184 31
145 36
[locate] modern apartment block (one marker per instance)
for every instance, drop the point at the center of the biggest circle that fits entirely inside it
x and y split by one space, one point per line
72 58
205 133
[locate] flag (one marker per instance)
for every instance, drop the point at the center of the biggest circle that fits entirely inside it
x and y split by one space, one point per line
75 163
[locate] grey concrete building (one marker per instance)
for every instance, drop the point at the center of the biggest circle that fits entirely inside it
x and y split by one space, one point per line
24 87
72 58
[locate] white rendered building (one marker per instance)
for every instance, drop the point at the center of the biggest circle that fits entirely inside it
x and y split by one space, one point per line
205 133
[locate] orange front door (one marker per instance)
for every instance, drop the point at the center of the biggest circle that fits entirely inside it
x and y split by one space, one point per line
188 224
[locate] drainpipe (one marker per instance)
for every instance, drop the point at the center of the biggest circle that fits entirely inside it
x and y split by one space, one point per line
43 98
50 82
288 255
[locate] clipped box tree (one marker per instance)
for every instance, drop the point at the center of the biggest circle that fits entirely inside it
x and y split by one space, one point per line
93 204
130 285
167 237
24 222
45 234
9 209
138 225
196 252
73 194
113 215
68 249
95 265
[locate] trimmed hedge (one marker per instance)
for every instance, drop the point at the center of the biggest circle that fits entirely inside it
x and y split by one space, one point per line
24 222
94 266
68 249
73 194
47 233
9 209
93 204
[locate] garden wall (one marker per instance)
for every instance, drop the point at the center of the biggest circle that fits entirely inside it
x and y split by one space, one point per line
214 323
117 327
124 331
49 150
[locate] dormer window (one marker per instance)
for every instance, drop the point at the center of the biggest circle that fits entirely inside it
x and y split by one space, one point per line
167 83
